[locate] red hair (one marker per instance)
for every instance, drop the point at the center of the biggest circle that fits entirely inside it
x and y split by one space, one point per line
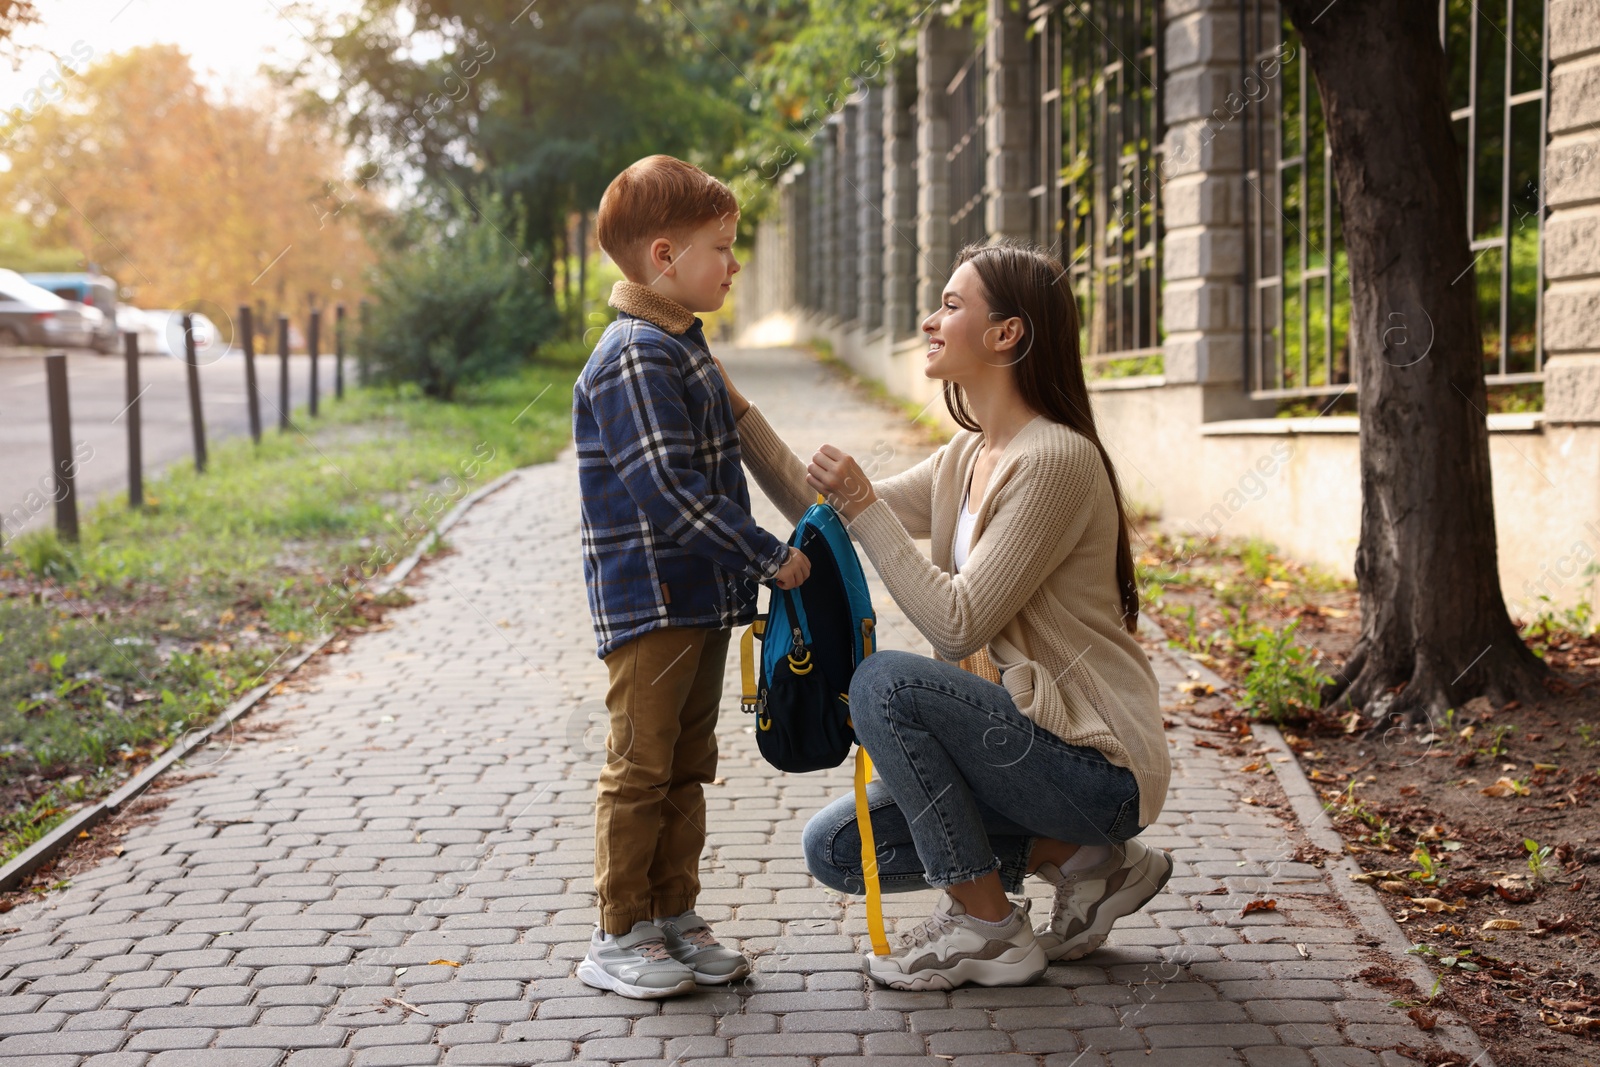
659 196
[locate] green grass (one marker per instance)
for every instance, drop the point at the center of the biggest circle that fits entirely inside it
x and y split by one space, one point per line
112 648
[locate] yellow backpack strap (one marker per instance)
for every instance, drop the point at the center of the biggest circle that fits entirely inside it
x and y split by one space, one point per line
747 669
869 855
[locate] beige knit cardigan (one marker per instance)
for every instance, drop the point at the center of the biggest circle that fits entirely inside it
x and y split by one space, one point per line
1038 590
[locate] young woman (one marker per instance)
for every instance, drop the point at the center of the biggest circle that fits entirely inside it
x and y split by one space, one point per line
1041 751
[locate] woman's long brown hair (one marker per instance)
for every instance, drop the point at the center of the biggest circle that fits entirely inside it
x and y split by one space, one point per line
1022 281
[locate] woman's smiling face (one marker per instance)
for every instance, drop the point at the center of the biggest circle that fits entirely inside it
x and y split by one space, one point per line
960 332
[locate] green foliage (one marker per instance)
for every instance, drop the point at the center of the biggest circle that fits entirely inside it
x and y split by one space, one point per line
458 304
546 101
1284 679
1430 868
45 557
1540 862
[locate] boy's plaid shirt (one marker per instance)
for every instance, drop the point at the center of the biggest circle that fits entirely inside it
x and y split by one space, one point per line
668 538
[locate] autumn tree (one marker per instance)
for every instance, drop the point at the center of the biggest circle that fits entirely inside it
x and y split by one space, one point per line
1435 630
187 200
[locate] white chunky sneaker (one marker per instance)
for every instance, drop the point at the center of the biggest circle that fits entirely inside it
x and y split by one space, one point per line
690 942
1088 901
635 964
950 948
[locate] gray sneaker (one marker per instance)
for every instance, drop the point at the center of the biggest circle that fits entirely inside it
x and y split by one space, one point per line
1088 901
635 964
691 943
950 949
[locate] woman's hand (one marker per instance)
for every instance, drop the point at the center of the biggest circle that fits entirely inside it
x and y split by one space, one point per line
740 404
840 478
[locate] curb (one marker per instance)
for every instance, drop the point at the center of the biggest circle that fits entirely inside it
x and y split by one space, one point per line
43 850
1374 919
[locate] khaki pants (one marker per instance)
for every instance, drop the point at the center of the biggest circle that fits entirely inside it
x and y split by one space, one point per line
650 810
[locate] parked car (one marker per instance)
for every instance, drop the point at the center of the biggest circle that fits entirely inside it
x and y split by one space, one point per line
167 326
91 290
140 322
32 315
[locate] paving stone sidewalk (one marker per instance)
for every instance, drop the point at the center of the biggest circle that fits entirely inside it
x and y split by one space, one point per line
401 874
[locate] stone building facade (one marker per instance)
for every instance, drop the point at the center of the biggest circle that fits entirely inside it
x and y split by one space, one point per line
1146 141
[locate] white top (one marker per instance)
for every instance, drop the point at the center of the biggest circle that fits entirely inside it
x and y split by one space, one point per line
964 532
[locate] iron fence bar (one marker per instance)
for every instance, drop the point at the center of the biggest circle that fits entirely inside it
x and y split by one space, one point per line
1539 197
1472 128
1509 253
1305 238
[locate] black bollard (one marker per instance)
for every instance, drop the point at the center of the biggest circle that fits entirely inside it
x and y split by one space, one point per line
130 353
311 347
197 422
252 395
283 372
66 492
338 352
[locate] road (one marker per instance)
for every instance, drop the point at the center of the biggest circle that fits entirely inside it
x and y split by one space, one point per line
95 386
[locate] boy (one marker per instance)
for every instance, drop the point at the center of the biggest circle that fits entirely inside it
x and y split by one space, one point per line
671 557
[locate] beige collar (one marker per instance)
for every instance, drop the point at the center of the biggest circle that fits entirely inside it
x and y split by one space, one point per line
647 304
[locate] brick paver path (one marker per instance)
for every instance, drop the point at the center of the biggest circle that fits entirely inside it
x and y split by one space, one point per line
430 798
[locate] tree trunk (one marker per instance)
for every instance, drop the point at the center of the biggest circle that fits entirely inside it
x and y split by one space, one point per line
1434 630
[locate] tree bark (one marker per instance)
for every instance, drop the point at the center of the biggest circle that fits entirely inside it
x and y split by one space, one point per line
1435 631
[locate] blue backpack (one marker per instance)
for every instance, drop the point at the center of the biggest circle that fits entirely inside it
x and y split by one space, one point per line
812 639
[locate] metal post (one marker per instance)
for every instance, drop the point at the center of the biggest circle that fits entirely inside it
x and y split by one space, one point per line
130 350
311 347
338 351
283 372
362 354
252 394
65 468
197 422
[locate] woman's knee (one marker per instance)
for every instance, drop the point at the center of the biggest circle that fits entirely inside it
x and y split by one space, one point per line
819 842
876 682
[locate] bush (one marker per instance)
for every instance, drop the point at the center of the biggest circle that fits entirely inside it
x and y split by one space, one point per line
1285 679
459 302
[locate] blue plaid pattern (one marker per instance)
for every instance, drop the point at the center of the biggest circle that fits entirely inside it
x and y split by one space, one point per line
668 538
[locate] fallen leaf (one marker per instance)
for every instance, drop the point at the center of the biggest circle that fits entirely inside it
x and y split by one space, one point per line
1504 787
1434 904
1424 1020
443 963
1258 905
1395 887
1501 924
1564 1005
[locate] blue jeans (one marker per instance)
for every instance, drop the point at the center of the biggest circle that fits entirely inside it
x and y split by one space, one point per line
964 783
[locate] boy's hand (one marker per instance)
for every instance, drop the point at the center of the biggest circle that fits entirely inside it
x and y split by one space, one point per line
795 569
734 396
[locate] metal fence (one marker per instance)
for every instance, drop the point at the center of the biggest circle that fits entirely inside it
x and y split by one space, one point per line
1297 292
967 150
1098 197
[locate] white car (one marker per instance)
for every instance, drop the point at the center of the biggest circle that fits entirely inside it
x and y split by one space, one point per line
161 331
33 315
138 321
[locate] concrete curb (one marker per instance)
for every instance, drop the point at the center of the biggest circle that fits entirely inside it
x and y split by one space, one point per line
1456 1036
43 850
